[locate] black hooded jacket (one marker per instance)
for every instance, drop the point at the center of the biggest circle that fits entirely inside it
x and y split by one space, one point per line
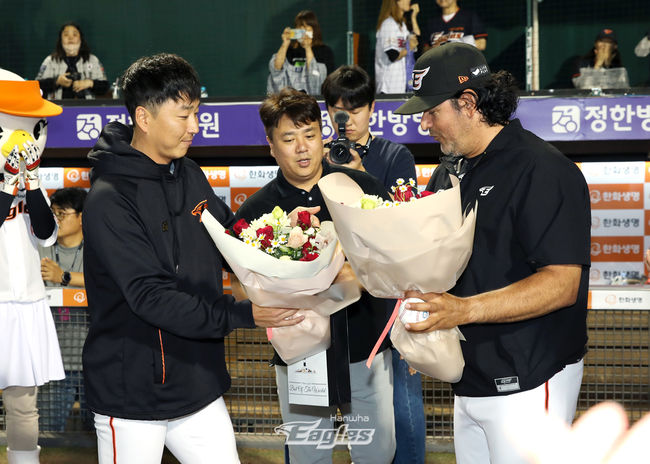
154 282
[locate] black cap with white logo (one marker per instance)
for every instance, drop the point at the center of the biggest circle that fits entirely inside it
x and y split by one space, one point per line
442 72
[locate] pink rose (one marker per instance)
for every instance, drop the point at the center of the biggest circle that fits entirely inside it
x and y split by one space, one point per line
296 238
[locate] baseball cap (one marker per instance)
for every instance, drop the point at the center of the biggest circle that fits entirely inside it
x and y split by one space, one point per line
443 71
607 34
23 98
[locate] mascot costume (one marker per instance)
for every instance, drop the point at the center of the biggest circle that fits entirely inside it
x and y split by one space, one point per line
29 350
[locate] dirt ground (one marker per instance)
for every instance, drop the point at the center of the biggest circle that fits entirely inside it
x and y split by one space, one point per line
246 455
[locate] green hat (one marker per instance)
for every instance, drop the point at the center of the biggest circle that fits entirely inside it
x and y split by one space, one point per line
442 72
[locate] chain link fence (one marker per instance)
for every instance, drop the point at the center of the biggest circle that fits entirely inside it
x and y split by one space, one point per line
617 368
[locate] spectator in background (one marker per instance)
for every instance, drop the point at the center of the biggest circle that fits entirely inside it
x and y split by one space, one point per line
411 18
642 49
71 71
602 66
62 263
62 266
393 44
454 25
301 62
350 89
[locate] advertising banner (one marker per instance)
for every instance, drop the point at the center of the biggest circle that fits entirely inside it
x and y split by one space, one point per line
620 206
238 124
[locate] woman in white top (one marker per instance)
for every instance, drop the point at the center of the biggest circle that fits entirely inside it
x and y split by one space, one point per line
71 71
393 43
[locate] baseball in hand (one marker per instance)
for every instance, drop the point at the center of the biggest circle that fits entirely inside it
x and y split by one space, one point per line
411 316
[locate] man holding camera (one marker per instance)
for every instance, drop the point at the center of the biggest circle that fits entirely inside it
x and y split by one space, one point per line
292 121
350 90
349 94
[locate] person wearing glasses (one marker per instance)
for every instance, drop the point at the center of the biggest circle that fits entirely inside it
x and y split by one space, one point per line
62 263
62 266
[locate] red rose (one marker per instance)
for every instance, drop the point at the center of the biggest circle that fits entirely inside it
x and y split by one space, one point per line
239 226
425 193
404 195
304 220
266 233
309 256
307 252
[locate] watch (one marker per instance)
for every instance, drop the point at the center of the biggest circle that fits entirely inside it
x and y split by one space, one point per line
65 280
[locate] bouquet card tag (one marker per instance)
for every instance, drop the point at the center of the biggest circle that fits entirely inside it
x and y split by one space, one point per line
308 383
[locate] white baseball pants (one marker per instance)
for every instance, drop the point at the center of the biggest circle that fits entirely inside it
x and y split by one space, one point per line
205 436
482 424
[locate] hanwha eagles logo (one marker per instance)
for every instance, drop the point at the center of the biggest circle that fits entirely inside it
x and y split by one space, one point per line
198 209
418 75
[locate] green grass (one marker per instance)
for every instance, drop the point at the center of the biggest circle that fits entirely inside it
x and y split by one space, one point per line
246 456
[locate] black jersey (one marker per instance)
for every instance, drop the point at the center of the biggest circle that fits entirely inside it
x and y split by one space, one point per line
464 23
533 211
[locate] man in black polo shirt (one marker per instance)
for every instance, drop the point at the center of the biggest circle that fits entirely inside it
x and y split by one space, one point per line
292 121
522 300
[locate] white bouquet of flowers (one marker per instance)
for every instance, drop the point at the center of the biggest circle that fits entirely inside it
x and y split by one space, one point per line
280 265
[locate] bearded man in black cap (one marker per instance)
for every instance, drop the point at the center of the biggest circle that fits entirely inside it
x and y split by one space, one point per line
521 303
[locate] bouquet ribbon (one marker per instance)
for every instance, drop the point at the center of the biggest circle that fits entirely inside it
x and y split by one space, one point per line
389 324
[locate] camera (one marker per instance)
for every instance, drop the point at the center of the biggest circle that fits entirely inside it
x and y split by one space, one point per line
76 76
340 148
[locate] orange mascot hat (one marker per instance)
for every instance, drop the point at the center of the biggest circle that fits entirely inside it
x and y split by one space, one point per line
23 98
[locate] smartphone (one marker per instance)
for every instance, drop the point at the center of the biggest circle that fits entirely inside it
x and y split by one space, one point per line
297 34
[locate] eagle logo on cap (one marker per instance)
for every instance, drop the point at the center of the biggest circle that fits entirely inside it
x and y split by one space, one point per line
418 75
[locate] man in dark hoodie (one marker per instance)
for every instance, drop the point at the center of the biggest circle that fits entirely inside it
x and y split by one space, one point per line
154 362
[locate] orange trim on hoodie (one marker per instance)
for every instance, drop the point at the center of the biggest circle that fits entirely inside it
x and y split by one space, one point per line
162 355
